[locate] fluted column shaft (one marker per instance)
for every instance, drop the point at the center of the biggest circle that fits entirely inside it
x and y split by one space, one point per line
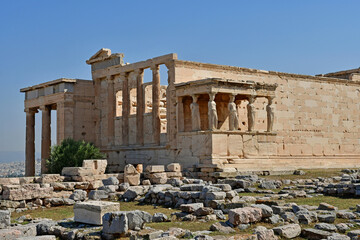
140 107
111 111
156 104
30 143
45 136
125 108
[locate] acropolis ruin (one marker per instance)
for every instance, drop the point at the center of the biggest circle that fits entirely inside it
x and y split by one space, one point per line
209 118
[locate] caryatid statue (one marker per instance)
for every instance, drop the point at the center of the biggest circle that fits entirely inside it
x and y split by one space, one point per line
233 115
212 113
251 113
195 114
270 114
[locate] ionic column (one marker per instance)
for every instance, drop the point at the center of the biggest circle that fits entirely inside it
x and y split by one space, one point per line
156 103
30 142
111 111
270 114
251 113
140 107
45 136
212 112
171 107
125 108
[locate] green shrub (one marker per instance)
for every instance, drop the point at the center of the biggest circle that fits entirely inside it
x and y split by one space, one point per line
71 153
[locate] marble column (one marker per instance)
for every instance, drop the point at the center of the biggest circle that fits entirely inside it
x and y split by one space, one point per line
30 143
111 111
171 107
270 114
125 108
140 107
45 136
156 103
251 113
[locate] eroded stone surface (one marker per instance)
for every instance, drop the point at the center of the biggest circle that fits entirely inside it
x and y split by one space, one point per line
91 212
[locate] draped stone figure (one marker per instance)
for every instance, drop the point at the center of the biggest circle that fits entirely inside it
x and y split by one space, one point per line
212 113
195 114
251 113
233 115
270 114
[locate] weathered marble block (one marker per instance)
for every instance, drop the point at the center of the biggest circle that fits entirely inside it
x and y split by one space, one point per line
244 215
97 165
155 169
76 171
4 218
118 223
50 178
46 237
9 181
91 212
174 174
174 167
26 192
131 175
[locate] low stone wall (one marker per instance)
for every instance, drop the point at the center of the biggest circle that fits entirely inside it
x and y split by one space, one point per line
79 183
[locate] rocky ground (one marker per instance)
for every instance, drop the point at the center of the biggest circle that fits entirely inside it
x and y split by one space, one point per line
246 207
16 169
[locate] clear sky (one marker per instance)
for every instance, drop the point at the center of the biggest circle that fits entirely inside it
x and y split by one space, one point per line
45 40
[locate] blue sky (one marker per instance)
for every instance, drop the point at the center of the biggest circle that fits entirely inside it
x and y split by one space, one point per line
46 40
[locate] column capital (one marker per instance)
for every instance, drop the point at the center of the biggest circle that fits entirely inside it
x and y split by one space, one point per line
45 108
109 78
232 97
195 97
155 67
123 74
270 99
212 96
251 98
139 71
170 64
31 110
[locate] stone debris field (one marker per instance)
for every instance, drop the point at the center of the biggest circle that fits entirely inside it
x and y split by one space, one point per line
164 202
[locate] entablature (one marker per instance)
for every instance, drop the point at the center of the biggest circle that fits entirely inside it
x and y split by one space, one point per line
230 86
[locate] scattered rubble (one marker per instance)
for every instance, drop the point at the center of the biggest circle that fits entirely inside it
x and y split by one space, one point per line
96 195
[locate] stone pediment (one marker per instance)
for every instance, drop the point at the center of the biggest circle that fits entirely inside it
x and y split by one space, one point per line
103 59
101 55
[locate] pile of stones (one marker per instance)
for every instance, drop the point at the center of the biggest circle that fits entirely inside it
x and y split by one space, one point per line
79 183
197 200
346 185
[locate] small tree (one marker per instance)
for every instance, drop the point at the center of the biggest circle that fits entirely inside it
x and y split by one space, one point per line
71 153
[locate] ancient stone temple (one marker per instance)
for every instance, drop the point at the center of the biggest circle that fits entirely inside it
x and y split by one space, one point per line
208 117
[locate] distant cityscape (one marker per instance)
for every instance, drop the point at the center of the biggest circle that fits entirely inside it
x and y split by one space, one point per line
17 169
12 164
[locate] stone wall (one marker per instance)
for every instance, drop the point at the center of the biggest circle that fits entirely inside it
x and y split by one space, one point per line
314 116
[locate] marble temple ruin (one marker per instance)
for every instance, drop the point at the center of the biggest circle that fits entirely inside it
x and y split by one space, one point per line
208 117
